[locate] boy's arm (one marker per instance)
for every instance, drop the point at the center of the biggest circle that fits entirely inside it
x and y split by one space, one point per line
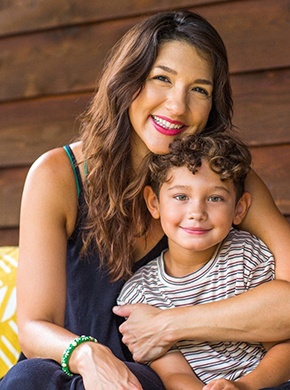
175 372
273 370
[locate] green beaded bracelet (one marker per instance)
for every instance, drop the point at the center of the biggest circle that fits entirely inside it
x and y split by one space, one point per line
67 353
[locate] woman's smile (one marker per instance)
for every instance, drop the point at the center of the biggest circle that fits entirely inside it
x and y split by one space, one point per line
166 126
176 99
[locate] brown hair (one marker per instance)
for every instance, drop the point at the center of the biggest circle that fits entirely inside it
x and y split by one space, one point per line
112 220
226 155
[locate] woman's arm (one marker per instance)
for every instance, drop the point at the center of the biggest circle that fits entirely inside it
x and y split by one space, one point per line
265 221
48 215
261 314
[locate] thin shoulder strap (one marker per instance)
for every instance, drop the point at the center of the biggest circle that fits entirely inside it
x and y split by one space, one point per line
75 167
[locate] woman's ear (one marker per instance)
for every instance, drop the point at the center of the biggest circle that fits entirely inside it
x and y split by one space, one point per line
151 202
242 208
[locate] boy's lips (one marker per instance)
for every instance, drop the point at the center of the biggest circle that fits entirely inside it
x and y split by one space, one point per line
166 126
193 230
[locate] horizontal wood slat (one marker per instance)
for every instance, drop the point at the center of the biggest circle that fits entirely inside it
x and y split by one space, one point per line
52 51
262 106
11 186
274 171
9 237
56 62
43 14
69 59
273 165
29 128
256 33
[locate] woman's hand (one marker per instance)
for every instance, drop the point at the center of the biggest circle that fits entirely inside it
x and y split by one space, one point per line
101 370
146 331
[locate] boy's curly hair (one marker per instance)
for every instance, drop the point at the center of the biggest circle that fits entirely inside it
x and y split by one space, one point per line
227 156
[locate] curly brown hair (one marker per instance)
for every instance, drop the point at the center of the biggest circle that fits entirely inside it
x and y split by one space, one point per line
226 155
113 217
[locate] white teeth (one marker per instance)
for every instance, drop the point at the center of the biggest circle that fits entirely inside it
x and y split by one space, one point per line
166 124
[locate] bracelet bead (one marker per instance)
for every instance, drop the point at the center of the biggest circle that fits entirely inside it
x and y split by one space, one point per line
69 350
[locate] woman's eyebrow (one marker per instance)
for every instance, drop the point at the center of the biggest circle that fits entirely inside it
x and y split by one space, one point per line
172 71
166 69
204 81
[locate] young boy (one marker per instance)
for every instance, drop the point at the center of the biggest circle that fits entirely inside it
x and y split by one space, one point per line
197 192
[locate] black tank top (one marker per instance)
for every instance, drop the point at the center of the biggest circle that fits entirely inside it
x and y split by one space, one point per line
90 294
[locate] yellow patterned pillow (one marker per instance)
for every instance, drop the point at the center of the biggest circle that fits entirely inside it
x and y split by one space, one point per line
9 346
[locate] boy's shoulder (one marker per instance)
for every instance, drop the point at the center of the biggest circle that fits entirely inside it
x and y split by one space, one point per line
148 269
241 240
242 235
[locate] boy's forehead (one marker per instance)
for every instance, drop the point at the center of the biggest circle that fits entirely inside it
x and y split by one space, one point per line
184 176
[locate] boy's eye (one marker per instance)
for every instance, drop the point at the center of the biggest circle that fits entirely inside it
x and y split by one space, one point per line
180 197
215 198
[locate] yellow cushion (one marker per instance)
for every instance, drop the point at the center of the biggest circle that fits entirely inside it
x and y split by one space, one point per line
9 346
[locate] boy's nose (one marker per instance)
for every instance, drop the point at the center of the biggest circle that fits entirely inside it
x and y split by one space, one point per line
197 211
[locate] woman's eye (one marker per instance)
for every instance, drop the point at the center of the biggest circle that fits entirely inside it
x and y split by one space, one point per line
201 90
162 78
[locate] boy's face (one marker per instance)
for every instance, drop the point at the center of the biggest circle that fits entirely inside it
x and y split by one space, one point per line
196 210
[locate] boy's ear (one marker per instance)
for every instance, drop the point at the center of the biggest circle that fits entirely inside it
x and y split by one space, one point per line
151 202
242 208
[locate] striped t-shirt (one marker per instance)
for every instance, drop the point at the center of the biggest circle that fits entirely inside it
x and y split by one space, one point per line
241 262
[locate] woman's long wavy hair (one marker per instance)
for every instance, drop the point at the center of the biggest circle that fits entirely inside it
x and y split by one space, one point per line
112 191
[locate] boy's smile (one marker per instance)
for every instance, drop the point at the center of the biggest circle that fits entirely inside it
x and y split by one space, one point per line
196 213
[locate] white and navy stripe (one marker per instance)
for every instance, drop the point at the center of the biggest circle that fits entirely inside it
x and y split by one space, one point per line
242 262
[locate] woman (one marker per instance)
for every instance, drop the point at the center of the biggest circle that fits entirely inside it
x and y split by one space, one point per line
79 236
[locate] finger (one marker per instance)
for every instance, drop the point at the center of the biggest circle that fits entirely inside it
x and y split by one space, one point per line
123 311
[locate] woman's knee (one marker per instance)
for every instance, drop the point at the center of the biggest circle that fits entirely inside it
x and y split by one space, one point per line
34 374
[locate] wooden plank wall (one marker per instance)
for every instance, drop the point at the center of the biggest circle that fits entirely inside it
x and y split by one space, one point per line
51 53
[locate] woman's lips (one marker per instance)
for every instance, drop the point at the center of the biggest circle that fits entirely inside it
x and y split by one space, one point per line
165 126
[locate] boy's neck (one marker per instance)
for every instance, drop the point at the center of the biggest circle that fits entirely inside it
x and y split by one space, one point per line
179 262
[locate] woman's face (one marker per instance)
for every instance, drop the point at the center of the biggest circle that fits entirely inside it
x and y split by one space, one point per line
176 99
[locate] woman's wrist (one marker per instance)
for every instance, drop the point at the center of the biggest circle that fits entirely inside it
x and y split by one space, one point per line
175 321
76 352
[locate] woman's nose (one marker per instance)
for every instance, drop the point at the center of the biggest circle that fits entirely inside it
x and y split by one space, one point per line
176 102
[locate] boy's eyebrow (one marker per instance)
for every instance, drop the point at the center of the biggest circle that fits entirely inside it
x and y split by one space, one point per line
178 187
221 188
172 71
184 187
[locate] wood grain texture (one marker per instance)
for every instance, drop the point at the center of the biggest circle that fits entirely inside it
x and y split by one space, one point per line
262 106
42 14
256 33
31 127
51 53
11 186
9 237
68 59
273 166
271 163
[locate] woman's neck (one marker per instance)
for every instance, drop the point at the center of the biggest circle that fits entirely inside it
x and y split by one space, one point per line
143 245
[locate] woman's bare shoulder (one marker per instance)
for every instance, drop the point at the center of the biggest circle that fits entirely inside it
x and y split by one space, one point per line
51 186
54 166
